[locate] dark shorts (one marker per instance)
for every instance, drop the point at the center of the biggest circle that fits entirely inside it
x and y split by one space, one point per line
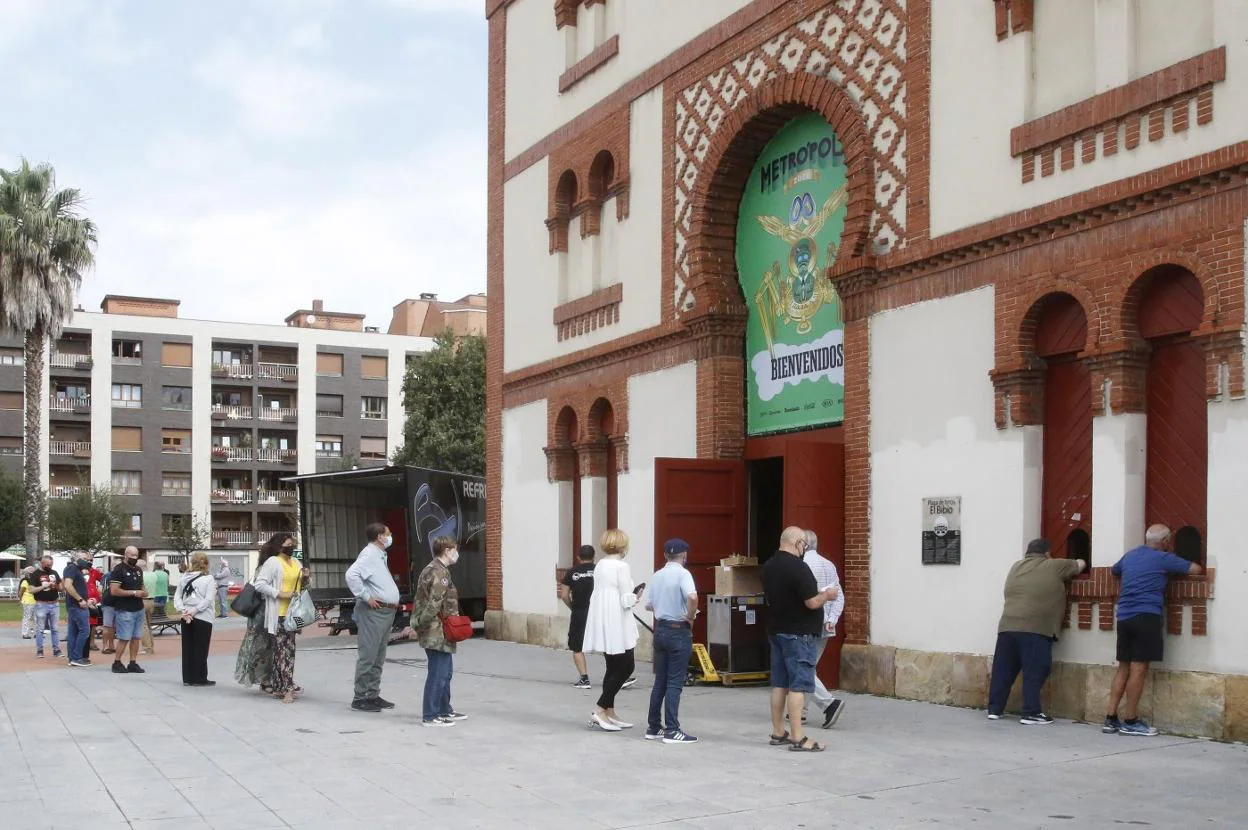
793 662
576 629
1139 639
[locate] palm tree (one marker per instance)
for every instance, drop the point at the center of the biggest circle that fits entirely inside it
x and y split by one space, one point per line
45 246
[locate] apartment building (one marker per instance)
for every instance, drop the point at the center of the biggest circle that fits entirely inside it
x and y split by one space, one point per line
193 417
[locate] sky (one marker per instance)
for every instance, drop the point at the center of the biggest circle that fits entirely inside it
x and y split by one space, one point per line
248 156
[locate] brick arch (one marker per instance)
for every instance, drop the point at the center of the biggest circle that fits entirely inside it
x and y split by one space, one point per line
1038 301
600 424
731 156
1126 303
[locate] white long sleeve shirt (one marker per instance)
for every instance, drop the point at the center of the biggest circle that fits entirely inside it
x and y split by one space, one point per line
195 594
369 577
825 574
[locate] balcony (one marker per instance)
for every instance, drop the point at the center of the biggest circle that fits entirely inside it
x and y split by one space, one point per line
63 360
236 538
283 497
222 412
76 449
225 495
234 371
61 492
273 455
285 372
127 361
285 415
232 454
80 405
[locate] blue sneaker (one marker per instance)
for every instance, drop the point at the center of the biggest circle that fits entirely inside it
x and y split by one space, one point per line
1139 728
1111 726
678 737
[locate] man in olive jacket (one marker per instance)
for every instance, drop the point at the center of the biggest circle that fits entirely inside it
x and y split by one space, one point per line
1035 601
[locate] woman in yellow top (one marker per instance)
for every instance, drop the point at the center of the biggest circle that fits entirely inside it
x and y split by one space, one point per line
277 582
28 604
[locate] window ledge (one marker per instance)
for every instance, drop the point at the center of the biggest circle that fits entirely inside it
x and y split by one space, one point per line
589 64
1100 587
1053 136
585 314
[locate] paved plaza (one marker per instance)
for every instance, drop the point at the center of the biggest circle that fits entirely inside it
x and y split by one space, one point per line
83 748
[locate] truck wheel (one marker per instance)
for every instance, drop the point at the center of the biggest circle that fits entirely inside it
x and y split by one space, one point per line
333 632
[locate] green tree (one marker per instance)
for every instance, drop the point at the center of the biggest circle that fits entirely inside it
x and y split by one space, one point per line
45 247
12 510
93 520
444 396
187 534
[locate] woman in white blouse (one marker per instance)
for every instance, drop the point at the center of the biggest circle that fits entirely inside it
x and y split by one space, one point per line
193 598
610 628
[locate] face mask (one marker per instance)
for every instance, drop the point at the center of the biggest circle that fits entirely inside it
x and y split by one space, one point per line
452 557
132 562
387 541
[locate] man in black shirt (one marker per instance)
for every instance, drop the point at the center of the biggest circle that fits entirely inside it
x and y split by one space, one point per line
45 586
125 584
76 608
795 610
575 591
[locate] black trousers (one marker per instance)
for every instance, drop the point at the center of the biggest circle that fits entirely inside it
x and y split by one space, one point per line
196 637
619 668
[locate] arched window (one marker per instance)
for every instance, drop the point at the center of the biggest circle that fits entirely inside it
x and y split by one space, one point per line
567 434
602 417
564 201
599 221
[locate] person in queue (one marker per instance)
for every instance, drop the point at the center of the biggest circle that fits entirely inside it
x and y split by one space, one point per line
277 582
193 600
610 628
125 583
436 599
376 602
254 664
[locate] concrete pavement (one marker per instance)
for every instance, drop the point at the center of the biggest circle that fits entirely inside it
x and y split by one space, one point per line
85 748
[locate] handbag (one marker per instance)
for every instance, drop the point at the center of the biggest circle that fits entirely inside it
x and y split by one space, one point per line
301 611
248 602
456 629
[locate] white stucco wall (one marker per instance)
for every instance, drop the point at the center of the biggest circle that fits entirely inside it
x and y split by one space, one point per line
530 546
649 31
987 84
933 434
629 252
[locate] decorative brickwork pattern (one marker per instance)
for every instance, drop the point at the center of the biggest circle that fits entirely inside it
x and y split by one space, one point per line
585 173
589 64
1013 16
602 308
603 412
1100 589
858 45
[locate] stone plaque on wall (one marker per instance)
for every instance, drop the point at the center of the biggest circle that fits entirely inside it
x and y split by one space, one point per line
942 530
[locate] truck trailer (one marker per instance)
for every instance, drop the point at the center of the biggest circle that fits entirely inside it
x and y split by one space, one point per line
418 505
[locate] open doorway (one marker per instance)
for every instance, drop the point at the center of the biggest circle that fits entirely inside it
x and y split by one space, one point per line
766 483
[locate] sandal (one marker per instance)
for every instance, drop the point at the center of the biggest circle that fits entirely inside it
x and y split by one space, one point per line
780 740
806 745
288 698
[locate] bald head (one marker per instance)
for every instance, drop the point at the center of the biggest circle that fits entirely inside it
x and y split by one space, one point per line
1157 537
131 554
792 540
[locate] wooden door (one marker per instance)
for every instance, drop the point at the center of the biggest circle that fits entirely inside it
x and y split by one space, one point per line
1067 489
702 501
814 498
1178 427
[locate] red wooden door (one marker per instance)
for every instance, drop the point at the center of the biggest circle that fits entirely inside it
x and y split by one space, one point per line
702 501
1067 489
1178 426
814 499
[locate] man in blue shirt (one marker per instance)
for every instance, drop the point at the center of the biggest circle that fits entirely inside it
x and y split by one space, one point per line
1144 572
674 601
376 601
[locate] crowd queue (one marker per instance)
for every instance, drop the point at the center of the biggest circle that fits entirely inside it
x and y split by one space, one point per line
800 585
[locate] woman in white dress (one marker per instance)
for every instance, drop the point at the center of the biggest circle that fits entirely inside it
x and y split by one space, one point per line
610 628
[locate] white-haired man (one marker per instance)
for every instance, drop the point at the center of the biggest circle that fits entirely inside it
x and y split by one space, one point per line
1144 572
824 570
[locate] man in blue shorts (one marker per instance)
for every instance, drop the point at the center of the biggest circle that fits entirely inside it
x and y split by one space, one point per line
125 584
1144 572
795 610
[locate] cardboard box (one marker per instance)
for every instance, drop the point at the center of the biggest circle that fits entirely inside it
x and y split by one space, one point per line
738 576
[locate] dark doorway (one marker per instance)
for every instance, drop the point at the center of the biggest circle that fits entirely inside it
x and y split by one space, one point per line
766 478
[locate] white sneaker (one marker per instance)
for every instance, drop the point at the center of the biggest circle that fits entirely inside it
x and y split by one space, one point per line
604 724
438 722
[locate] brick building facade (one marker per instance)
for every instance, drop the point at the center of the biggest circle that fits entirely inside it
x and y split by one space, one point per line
1040 277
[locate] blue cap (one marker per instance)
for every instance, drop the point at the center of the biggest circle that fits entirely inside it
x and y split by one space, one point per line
675 547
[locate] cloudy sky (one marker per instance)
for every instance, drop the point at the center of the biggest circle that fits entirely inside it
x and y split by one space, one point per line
247 156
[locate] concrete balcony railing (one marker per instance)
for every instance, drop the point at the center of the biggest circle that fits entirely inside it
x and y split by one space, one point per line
80 405
62 360
78 449
284 497
232 453
238 371
287 415
226 495
277 371
60 492
222 412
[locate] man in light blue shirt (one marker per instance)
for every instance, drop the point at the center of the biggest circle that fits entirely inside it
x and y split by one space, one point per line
376 600
825 575
674 600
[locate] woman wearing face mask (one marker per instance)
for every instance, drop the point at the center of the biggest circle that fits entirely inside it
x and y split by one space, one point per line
436 599
193 599
254 665
278 580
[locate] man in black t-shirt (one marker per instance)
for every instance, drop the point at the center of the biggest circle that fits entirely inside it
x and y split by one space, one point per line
125 584
795 611
45 586
575 591
75 585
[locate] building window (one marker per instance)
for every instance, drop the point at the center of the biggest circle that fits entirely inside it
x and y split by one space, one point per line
227 398
127 352
329 365
12 357
127 482
329 406
175 484
373 367
127 439
10 445
175 440
173 523
329 446
175 397
136 525
11 400
127 395
373 448
272 442
175 355
72 392
373 408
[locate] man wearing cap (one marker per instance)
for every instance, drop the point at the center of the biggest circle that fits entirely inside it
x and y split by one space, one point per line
1035 600
674 601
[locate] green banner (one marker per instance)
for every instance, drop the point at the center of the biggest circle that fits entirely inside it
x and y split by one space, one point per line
788 232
